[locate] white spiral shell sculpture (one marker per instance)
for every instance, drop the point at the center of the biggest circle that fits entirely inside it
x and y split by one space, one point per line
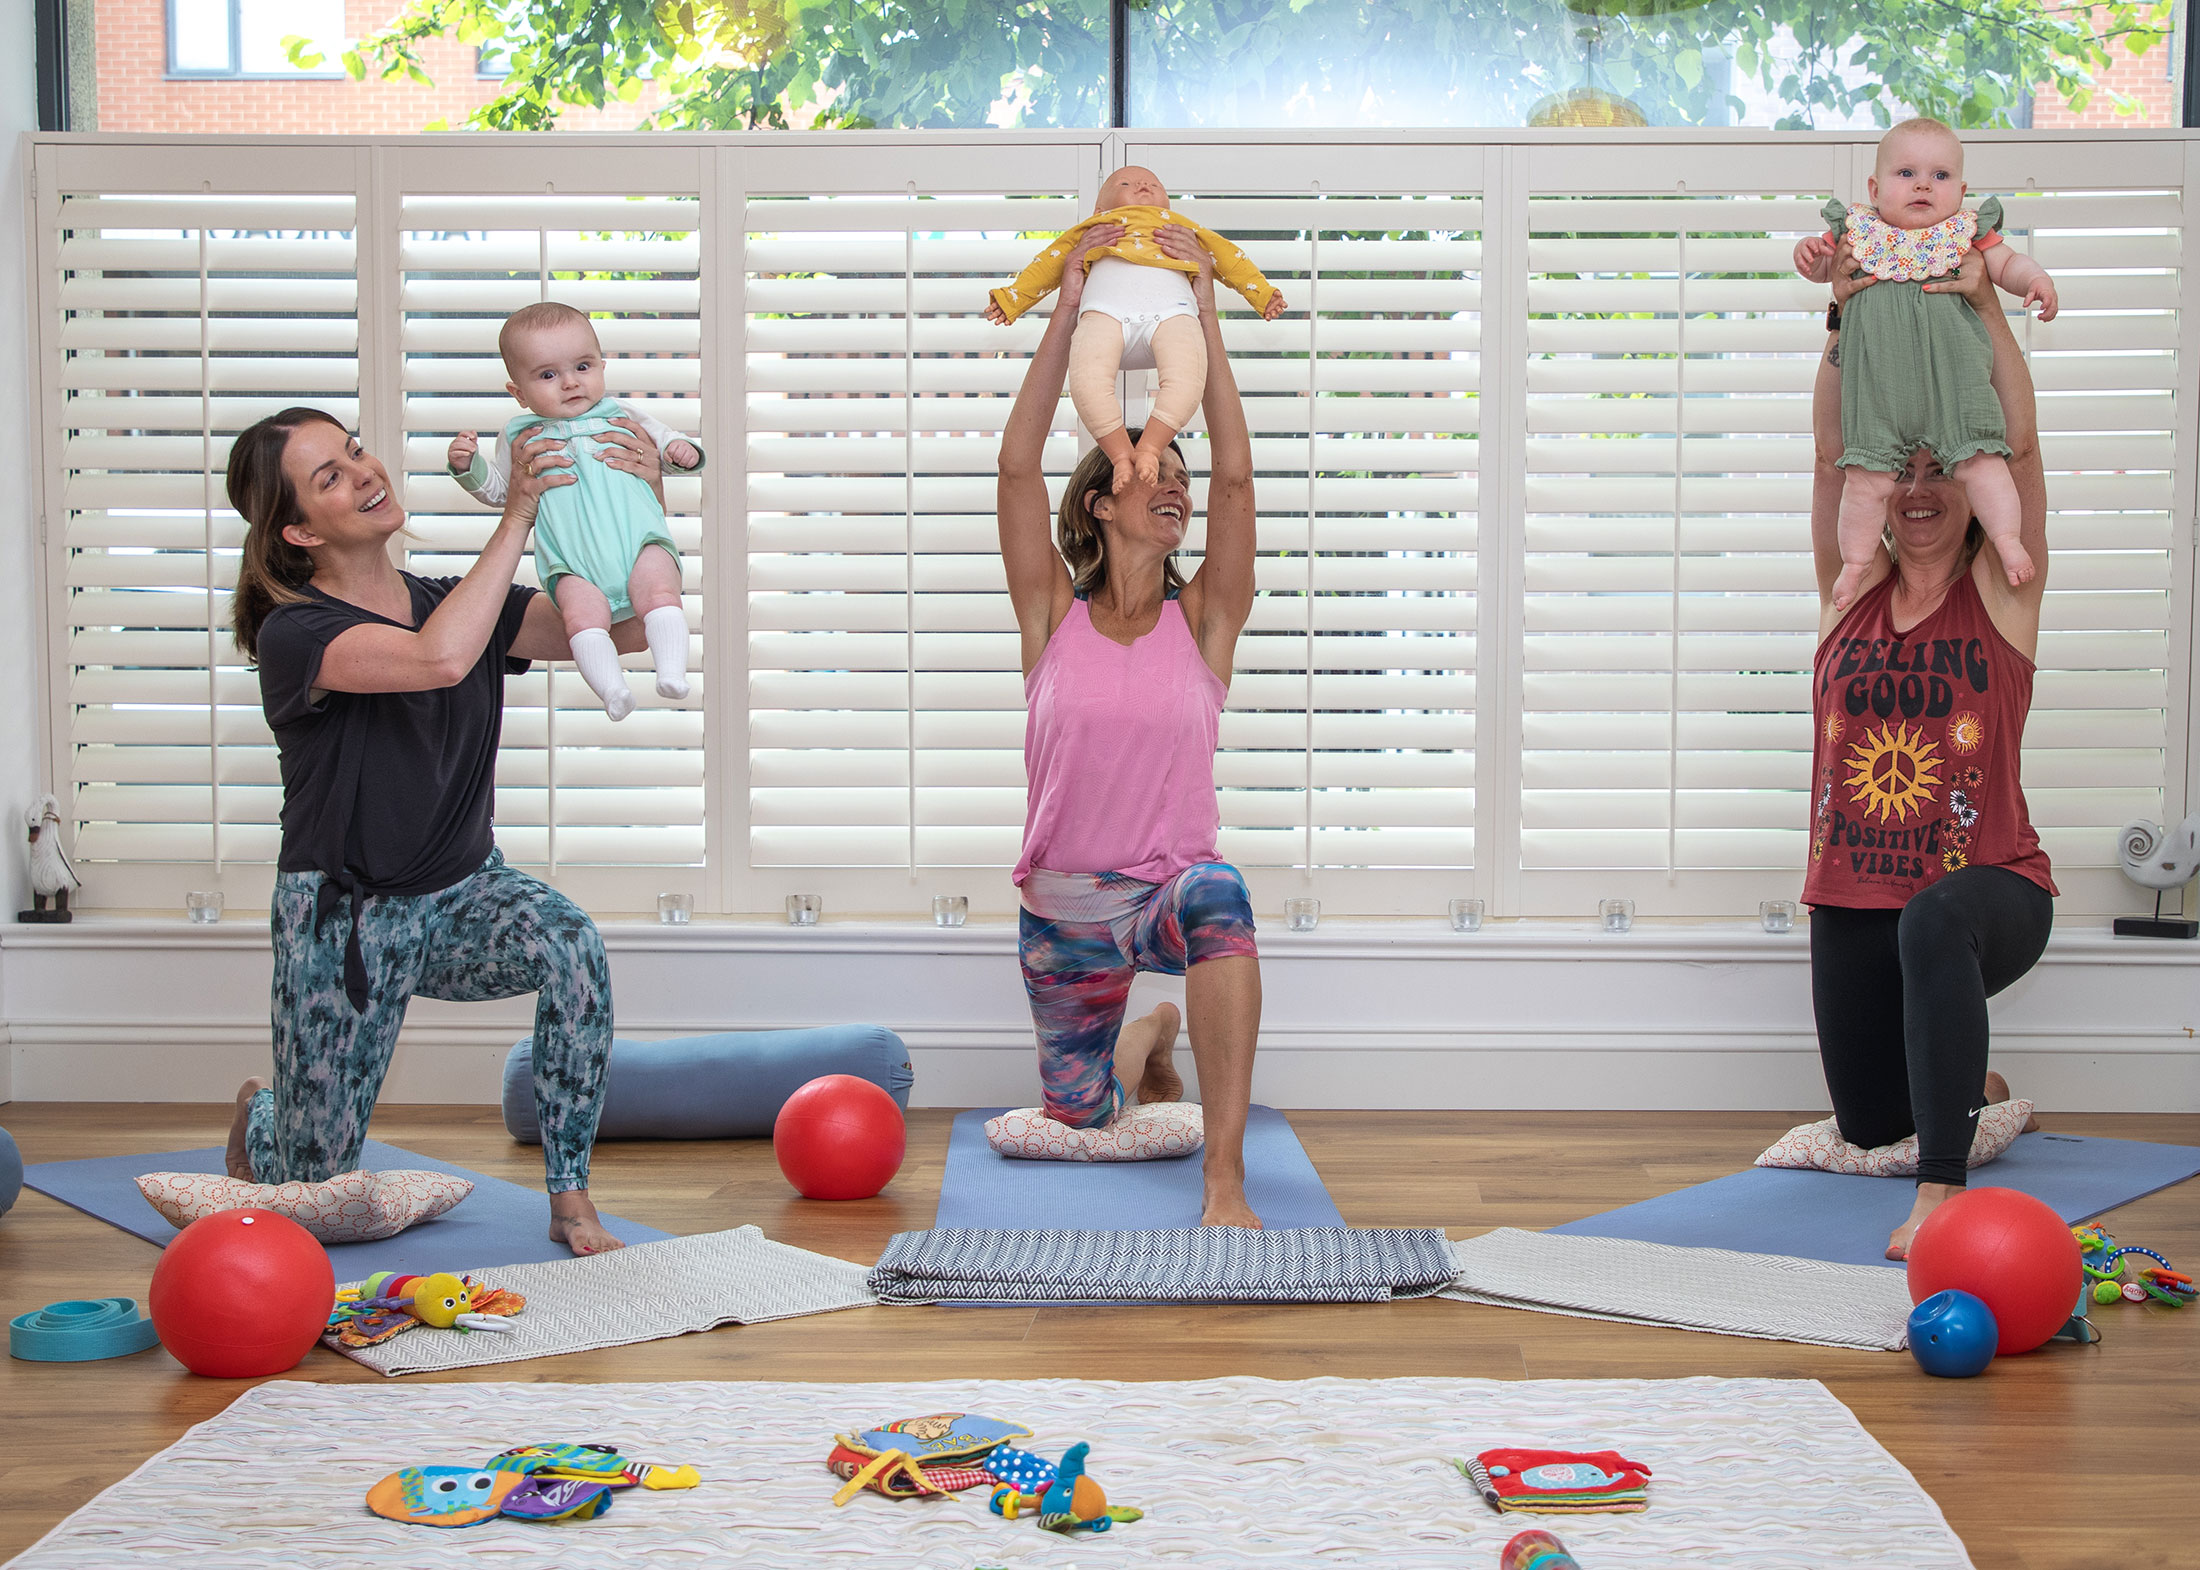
2157 860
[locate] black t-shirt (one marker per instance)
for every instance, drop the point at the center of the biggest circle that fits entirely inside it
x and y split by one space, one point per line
392 789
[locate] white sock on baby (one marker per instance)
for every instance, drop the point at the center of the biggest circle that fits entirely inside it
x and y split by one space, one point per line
599 663
667 630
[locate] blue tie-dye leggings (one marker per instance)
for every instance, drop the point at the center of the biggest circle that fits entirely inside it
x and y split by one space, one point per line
495 933
1083 935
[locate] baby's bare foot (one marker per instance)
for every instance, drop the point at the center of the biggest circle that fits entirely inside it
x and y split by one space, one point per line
2016 561
1148 464
235 1158
1161 1081
1845 586
1124 469
574 1222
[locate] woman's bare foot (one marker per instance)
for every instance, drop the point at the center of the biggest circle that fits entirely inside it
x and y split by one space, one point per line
1161 1081
574 1222
1997 1091
236 1158
1144 1051
1225 1206
1930 1197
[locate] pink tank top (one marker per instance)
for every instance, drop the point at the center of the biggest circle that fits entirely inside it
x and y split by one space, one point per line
1119 751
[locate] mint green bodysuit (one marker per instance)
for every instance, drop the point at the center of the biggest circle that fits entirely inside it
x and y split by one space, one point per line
594 528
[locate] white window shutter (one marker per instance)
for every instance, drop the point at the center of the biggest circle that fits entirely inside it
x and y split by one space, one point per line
175 321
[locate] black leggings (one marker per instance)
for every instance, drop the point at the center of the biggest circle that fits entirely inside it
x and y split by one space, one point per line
1900 997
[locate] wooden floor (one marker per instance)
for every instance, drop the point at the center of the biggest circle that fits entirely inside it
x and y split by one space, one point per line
2067 1458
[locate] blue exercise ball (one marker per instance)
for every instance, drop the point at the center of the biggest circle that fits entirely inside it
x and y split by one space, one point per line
11 1171
1953 1335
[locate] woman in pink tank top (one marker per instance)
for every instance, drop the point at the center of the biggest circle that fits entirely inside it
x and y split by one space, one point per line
1928 888
1126 666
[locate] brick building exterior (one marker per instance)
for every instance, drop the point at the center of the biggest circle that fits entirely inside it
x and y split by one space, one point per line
2151 78
136 93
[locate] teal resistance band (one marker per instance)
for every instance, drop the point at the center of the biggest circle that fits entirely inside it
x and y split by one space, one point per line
81 1330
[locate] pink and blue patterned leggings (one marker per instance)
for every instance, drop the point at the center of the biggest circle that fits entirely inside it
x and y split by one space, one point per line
1083 936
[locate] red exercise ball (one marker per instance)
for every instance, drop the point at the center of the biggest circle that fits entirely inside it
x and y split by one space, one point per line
241 1293
2006 1249
839 1137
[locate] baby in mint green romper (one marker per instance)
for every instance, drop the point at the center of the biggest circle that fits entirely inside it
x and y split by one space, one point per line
1917 366
601 547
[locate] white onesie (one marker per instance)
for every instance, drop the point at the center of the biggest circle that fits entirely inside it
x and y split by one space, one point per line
1139 297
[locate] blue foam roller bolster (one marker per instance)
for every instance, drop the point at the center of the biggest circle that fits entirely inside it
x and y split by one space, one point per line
725 1086
11 1171
82 1330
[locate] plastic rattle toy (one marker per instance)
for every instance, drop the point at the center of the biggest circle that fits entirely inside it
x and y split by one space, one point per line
1536 1549
2103 1262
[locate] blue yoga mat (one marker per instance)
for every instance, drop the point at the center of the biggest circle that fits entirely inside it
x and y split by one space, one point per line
1827 1215
981 1189
499 1223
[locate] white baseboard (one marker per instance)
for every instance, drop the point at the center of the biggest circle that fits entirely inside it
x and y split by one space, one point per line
1357 1015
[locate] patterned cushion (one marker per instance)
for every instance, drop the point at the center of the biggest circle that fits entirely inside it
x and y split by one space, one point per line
1820 1145
351 1207
1153 1132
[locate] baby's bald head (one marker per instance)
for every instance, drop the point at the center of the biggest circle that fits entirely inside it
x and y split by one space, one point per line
1131 186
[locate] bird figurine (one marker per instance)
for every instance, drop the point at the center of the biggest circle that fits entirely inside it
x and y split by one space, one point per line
51 875
2162 861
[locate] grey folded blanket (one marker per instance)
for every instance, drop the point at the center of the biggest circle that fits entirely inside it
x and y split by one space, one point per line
1188 1265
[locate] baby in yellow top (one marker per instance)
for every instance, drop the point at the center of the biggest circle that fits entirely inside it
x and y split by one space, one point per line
1137 314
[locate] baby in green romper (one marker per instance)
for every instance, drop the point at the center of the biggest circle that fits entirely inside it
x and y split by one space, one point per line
1917 366
601 548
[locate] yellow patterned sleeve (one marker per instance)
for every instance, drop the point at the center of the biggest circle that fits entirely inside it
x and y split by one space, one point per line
1236 269
1043 276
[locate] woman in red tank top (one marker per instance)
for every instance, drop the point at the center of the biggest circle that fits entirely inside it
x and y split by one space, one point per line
1928 888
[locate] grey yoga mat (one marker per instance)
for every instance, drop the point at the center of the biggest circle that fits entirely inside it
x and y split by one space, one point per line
499 1223
1832 1216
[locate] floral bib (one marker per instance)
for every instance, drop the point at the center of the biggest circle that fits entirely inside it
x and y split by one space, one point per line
1913 255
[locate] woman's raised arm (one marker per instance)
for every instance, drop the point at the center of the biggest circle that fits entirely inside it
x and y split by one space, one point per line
1220 596
441 650
1038 583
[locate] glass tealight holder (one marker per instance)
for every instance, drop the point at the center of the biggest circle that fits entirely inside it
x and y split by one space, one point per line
1301 915
1776 915
1466 915
203 906
1618 914
950 910
804 909
675 909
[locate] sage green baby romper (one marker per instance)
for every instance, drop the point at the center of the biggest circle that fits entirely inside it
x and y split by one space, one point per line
1916 371
594 528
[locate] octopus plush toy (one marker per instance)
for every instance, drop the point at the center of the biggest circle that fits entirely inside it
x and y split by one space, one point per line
547 1482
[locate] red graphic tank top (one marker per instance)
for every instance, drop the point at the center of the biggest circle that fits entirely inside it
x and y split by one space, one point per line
1914 764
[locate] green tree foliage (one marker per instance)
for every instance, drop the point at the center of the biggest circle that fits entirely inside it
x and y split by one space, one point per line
729 64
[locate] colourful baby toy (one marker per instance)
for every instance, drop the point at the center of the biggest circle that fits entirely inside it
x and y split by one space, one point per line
2104 1271
1572 1482
911 1457
387 1304
548 1482
1069 1501
1536 1549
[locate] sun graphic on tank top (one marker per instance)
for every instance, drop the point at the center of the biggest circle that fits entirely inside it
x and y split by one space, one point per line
1832 727
1894 771
1966 732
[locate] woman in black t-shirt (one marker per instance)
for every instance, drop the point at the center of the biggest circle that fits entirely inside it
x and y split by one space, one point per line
386 695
